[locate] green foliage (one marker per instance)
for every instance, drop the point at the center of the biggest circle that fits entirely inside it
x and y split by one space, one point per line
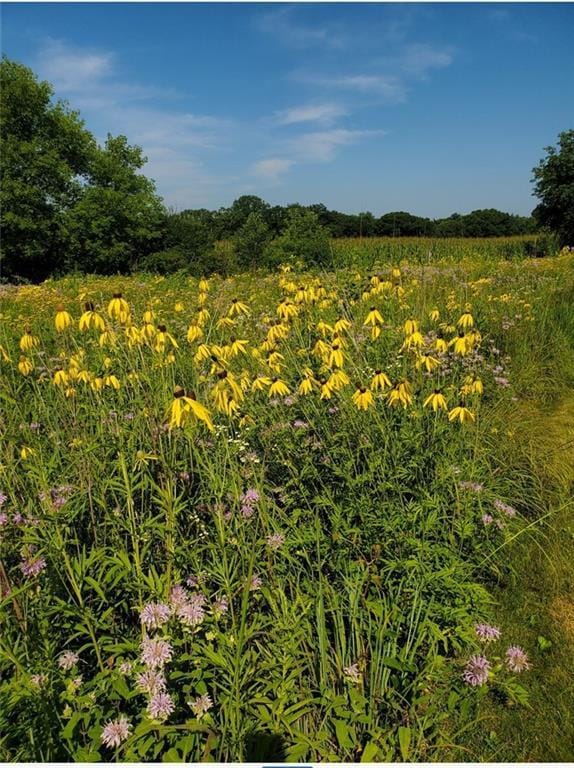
45 158
554 186
118 218
302 241
66 202
189 234
251 241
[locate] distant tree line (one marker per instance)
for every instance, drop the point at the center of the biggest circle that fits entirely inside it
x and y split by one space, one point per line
70 204
225 223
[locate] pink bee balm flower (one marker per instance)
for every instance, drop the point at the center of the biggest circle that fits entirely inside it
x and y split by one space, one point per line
476 670
67 660
201 705
486 632
154 615
115 732
160 706
155 653
517 659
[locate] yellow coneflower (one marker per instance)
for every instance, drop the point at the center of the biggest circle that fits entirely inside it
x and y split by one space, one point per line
203 285
435 401
260 383
202 316
335 357
434 315
363 398
374 317
278 387
225 322
60 377
375 332
238 346
112 381
185 408
414 341
148 316
411 327
300 295
133 335
5 356
337 380
91 319
380 380
118 308
203 353
63 319
326 391
277 332
26 452
238 308
324 329
275 361
321 349
307 385
460 344
162 338
286 310
427 362
25 366
441 345
461 413
178 306
147 332
342 325
28 341
472 386
465 321
108 338
400 394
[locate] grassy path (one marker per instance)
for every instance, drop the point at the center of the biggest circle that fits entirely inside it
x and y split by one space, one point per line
535 609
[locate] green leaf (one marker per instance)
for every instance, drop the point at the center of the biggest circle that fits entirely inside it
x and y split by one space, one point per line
68 731
405 741
171 756
370 752
343 734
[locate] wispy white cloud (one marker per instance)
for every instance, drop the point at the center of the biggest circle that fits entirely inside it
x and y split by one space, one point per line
321 113
390 88
271 168
70 68
418 59
322 146
172 140
283 25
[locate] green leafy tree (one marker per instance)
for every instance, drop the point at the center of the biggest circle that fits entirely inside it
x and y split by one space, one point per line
232 219
252 240
118 219
44 161
303 239
554 186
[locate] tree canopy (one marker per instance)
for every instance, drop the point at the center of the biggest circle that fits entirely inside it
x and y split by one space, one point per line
554 186
67 203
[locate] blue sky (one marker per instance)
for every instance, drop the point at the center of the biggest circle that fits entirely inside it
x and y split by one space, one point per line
429 108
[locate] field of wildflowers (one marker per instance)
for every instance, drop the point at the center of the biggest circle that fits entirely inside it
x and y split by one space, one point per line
259 517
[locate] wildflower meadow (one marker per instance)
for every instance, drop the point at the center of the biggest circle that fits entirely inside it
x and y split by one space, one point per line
266 516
